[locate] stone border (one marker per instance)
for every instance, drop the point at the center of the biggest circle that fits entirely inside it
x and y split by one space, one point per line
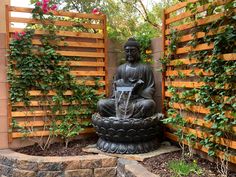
13 164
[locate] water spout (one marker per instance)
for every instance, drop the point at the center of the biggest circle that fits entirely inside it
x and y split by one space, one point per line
122 98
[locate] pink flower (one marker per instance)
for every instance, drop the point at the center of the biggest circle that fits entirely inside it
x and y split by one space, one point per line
16 36
45 11
54 7
23 33
38 3
46 1
96 11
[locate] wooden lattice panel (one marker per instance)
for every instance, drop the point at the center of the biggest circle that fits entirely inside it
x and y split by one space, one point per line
178 18
90 45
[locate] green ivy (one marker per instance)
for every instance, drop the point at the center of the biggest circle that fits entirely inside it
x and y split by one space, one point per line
212 96
38 67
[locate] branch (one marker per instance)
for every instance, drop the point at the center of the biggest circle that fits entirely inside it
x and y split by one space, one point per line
146 17
75 6
144 14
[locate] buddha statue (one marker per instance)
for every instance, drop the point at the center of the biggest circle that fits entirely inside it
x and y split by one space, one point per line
126 122
139 78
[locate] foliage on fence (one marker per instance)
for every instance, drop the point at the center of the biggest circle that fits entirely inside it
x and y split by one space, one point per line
200 75
56 71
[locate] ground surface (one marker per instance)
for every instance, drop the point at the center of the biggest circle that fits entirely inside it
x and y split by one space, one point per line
158 165
58 149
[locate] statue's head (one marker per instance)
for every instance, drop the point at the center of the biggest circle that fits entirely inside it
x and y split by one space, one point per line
132 50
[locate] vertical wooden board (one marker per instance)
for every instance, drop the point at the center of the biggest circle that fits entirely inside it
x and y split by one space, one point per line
163 50
106 54
9 107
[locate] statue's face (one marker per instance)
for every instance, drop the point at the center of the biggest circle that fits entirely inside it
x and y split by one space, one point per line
132 54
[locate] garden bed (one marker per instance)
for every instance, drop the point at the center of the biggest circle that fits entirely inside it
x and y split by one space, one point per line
159 165
200 167
58 149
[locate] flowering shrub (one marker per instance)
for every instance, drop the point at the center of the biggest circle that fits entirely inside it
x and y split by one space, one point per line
18 35
40 67
43 7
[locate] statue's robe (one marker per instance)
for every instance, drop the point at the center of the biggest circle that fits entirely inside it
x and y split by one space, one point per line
139 76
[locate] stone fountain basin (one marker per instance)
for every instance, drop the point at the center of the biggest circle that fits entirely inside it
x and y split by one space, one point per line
127 130
131 135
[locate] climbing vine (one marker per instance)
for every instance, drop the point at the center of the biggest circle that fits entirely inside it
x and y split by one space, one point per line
219 74
40 67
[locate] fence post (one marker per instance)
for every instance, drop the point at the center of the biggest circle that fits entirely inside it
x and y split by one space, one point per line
3 79
163 49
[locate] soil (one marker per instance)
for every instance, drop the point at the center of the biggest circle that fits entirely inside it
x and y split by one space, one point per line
159 165
58 149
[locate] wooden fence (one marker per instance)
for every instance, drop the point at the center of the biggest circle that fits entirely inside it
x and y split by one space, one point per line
89 45
178 18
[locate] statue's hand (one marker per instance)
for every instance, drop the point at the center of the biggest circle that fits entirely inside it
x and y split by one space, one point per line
137 85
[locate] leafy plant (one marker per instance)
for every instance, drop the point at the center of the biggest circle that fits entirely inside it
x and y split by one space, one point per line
40 67
181 168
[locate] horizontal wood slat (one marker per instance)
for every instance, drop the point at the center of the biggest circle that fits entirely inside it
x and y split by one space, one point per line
52 93
38 123
41 103
59 13
73 44
186 84
192 72
198 109
198 146
199 22
83 63
198 35
194 97
81 54
198 10
57 23
178 6
88 73
201 122
64 33
187 61
37 113
200 134
199 47
46 133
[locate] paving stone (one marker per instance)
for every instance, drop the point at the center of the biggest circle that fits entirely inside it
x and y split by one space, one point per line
5 170
26 165
109 162
137 170
105 172
165 148
6 161
23 173
91 163
51 166
79 173
72 165
50 174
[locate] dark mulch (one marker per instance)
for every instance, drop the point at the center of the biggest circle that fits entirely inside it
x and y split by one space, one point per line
58 149
159 165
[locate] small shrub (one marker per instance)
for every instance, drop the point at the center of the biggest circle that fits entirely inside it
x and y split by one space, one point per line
182 168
